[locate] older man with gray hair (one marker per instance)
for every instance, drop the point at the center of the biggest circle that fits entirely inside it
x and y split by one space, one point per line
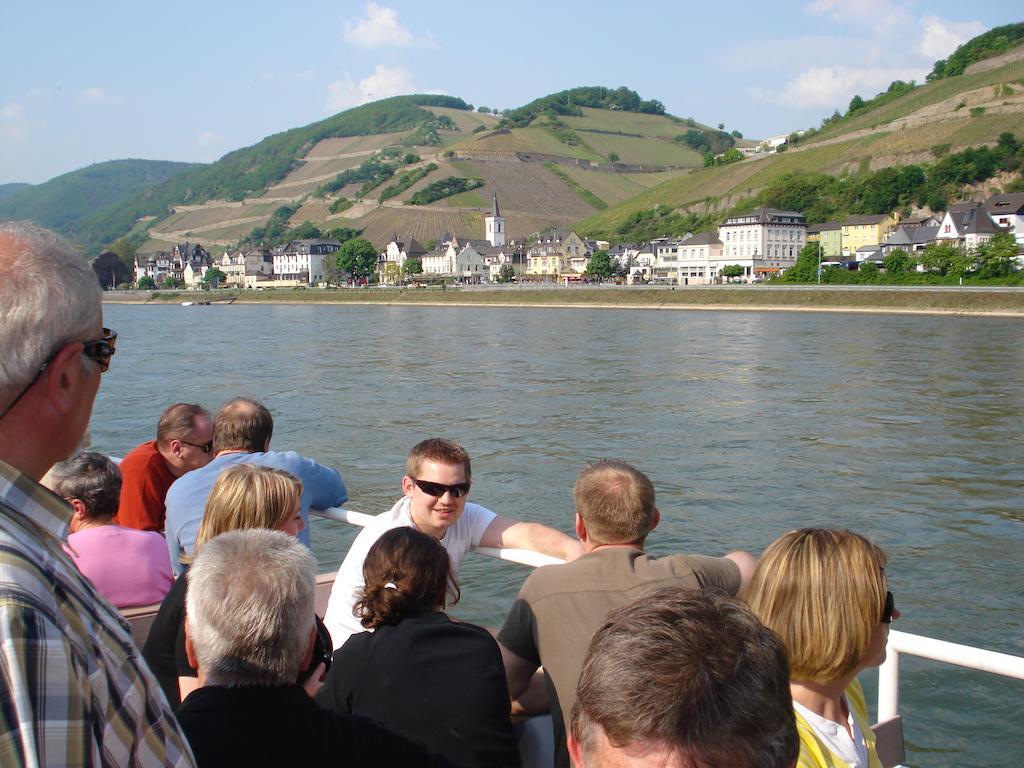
73 688
250 632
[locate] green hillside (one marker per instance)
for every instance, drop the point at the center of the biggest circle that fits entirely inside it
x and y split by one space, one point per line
907 125
250 171
6 190
543 174
64 202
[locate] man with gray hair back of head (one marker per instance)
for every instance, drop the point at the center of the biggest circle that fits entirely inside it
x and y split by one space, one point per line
684 678
74 689
249 630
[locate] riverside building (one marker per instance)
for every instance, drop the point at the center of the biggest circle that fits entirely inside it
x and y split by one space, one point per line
764 242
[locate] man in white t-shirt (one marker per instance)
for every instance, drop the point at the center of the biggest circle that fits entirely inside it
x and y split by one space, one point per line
436 486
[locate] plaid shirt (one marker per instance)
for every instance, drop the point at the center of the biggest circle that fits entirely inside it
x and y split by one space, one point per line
74 690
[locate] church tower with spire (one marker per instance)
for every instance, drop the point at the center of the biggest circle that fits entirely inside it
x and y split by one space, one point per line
495 224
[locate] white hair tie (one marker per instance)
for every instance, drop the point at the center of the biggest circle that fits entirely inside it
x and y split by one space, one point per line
390 585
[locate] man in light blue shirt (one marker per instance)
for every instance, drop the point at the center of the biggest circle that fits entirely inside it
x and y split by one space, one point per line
241 435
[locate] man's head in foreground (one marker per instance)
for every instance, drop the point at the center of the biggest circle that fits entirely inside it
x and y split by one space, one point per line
614 505
437 481
54 347
684 679
249 609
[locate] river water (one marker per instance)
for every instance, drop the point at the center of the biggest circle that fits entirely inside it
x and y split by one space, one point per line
904 428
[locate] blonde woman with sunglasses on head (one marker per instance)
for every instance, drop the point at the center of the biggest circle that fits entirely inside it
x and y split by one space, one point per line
824 592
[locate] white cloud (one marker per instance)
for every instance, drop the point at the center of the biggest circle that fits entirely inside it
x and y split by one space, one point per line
12 111
859 11
939 38
384 82
379 27
14 126
93 94
209 139
775 54
834 86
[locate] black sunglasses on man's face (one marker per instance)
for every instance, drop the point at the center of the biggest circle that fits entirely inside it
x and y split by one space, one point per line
437 490
101 350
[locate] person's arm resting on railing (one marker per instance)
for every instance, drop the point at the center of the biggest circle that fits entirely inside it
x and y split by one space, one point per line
503 533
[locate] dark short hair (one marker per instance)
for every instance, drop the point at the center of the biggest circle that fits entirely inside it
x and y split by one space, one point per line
404 571
440 450
93 479
694 671
242 424
178 422
616 501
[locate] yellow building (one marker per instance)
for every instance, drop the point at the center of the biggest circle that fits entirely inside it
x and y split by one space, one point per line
549 257
859 231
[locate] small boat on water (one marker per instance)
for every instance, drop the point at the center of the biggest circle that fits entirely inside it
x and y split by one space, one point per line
208 302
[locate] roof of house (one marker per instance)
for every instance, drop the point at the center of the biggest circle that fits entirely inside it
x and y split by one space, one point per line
875 218
972 219
1011 202
704 238
766 216
912 235
825 226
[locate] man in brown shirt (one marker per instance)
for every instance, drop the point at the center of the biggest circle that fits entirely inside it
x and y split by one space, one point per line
560 607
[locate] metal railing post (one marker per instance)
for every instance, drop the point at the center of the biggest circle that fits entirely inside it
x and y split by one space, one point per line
889 684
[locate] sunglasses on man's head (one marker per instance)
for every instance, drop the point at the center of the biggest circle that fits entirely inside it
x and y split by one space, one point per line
101 350
206 447
440 489
890 608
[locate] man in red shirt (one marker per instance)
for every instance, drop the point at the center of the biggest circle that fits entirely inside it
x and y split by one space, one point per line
184 441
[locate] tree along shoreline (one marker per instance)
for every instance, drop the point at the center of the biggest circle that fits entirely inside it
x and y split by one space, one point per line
916 299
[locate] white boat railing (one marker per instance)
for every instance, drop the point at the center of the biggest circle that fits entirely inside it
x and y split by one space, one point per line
520 556
899 643
965 656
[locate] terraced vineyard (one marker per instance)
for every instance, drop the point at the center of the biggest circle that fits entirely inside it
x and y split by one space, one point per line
205 217
614 121
465 121
614 188
526 187
444 169
643 151
423 223
327 149
523 140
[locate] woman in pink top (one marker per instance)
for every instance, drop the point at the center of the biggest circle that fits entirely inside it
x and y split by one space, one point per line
127 566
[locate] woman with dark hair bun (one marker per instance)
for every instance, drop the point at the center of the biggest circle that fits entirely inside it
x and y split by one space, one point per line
417 672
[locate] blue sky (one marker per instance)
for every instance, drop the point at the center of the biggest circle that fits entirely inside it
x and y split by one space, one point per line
85 82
